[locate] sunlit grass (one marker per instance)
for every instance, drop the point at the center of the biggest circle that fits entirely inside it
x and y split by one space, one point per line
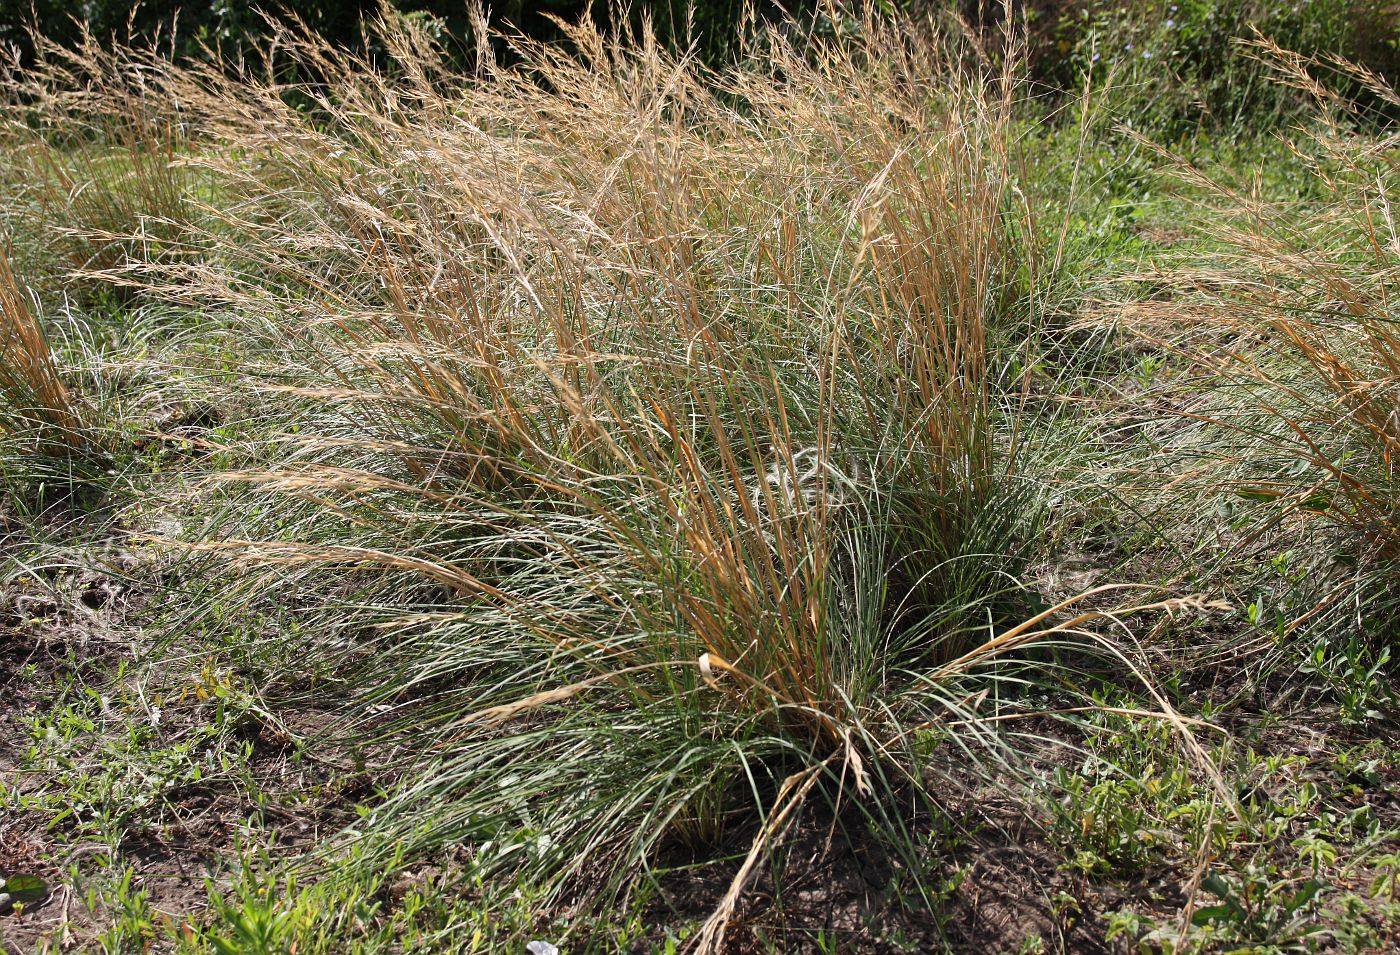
672 423
632 457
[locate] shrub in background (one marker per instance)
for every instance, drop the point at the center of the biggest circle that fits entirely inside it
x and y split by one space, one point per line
1175 65
185 27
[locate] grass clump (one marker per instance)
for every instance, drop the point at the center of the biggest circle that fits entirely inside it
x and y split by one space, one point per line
597 497
45 429
94 168
29 381
686 408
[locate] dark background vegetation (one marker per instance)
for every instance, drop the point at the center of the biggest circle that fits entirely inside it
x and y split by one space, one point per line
231 24
1177 55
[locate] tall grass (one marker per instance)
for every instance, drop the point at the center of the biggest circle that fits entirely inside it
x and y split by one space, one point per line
92 165
670 424
1295 318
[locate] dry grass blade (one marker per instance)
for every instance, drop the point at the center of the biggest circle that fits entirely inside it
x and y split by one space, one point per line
36 401
791 795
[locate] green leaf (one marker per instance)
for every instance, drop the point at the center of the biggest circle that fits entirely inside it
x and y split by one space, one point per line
1305 895
1317 502
1216 886
1211 913
26 889
1219 888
